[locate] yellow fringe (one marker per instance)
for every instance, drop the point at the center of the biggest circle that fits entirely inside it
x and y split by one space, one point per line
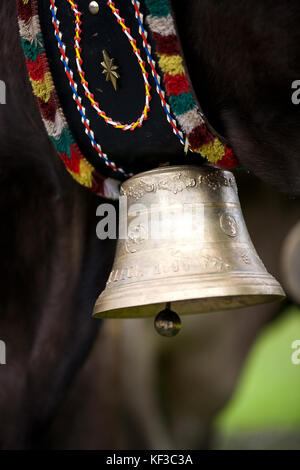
213 151
171 64
43 89
84 176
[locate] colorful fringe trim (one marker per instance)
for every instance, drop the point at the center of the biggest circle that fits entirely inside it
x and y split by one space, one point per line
75 94
53 117
182 103
195 136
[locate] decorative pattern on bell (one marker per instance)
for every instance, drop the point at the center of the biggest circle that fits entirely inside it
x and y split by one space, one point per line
200 260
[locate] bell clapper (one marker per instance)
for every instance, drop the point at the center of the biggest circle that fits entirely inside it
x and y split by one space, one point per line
167 323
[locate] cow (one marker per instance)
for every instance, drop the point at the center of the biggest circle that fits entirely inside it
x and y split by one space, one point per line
242 60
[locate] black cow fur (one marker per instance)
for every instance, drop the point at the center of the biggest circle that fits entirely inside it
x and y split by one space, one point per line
243 57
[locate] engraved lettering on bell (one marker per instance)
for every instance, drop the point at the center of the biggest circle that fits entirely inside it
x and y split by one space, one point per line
131 272
228 224
200 261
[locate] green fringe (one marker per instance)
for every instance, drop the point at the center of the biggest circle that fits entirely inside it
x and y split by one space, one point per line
63 144
181 104
34 48
158 7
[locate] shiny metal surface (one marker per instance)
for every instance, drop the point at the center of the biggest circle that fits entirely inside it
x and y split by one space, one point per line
167 323
94 8
208 269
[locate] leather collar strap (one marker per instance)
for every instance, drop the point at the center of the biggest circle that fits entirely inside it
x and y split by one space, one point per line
76 61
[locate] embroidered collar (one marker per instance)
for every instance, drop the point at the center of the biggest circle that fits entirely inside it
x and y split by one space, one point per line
53 31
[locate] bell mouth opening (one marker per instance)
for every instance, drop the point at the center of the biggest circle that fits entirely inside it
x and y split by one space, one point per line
191 296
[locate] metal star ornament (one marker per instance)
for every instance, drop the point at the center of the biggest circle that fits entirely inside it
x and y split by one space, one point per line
110 69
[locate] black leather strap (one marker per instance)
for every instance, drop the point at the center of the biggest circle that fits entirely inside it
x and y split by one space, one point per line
136 150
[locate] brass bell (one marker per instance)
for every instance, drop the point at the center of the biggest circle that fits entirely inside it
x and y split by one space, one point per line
186 245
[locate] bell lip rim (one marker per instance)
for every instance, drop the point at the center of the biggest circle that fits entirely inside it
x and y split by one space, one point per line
212 277
272 291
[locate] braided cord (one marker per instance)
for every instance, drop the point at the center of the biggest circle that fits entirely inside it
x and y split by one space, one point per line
79 63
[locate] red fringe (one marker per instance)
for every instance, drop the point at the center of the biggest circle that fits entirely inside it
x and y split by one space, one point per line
200 136
229 160
176 84
36 68
48 110
24 10
71 163
166 44
97 183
